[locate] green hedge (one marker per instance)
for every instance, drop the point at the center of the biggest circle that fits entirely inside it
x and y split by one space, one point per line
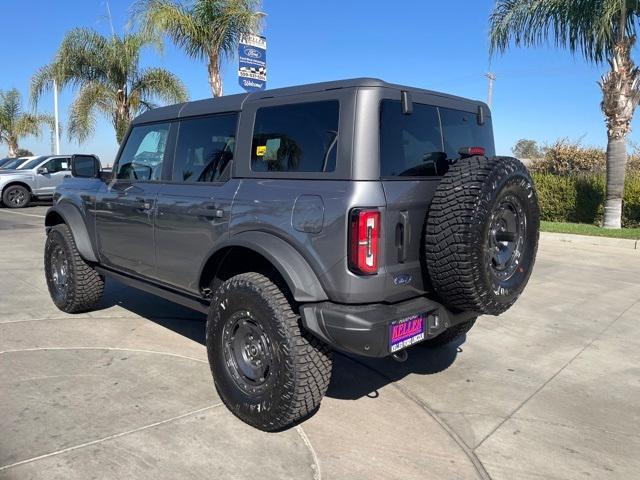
579 198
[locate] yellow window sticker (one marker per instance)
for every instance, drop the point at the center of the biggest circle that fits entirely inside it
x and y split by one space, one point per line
260 150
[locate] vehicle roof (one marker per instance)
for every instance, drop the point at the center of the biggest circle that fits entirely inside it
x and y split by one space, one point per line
40 158
234 103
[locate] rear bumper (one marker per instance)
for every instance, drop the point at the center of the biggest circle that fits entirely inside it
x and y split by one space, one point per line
365 329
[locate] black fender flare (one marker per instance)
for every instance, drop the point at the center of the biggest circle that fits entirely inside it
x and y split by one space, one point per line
76 222
294 268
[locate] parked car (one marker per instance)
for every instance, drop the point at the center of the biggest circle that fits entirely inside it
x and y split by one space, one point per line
14 163
3 161
35 177
354 215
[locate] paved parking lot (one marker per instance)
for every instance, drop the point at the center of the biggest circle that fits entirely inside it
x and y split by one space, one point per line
548 390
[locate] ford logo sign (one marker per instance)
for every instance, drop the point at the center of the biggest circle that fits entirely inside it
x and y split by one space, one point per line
402 279
252 52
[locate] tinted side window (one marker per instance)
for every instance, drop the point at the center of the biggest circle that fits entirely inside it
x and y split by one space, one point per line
296 138
143 153
58 165
410 145
204 148
461 129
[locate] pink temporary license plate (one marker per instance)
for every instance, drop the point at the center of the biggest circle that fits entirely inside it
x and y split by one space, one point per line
404 333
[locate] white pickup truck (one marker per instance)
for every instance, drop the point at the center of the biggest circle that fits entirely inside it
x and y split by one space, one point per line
35 178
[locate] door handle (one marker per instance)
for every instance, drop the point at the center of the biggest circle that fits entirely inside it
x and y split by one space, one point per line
145 206
210 212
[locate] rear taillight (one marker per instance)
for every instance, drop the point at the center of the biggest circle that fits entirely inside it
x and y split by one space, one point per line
467 152
364 235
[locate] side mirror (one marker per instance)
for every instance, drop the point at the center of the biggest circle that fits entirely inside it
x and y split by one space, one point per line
85 166
43 171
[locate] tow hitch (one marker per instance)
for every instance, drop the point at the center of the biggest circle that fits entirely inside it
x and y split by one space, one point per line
400 356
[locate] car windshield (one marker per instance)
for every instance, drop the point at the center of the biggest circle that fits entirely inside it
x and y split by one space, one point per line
14 163
31 163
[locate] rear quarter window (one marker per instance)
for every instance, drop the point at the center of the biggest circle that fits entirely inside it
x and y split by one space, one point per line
410 145
296 138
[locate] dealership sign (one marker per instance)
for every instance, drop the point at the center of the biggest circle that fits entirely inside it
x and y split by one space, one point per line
252 56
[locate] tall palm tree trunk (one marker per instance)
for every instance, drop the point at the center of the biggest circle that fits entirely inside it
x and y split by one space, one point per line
13 147
619 100
215 80
616 163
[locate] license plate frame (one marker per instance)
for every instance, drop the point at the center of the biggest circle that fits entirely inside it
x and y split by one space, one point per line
407 331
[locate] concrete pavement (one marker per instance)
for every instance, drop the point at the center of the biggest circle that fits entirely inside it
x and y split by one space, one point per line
548 390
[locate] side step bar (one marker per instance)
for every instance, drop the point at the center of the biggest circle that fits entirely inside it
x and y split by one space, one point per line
184 299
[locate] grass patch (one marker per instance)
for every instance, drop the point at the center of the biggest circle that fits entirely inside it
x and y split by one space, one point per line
586 229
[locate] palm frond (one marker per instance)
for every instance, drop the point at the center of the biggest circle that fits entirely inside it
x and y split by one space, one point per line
158 83
588 27
31 124
164 17
92 98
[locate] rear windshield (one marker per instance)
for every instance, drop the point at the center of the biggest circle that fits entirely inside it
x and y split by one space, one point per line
426 142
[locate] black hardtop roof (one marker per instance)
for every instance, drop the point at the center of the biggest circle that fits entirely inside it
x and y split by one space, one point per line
233 103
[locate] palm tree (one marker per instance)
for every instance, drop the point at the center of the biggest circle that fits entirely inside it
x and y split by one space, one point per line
208 30
15 123
109 79
599 30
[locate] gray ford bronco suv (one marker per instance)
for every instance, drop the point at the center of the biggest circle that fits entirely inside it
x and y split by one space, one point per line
354 215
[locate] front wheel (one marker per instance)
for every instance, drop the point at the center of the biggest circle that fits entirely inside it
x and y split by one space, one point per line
267 371
16 196
73 284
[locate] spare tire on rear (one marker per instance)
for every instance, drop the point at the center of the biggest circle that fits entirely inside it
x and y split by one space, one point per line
482 234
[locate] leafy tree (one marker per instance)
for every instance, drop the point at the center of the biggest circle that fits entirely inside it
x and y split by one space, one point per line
599 30
16 123
525 148
23 152
207 30
106 71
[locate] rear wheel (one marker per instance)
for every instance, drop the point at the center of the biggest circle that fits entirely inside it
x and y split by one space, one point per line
482 234
16 196
73 284
267 371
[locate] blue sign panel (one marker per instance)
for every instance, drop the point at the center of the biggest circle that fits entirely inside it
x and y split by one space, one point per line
252 69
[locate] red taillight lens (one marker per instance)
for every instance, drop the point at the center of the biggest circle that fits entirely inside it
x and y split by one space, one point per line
364 235
471 152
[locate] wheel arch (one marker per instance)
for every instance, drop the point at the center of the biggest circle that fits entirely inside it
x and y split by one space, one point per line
16 182
71 216
260 251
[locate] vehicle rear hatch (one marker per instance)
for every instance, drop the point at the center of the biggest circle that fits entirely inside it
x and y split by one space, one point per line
416 151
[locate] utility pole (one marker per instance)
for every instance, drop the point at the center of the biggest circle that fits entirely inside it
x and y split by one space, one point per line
492 79
56 127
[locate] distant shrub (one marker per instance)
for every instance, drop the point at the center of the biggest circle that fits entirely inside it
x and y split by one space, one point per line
567 157
579 197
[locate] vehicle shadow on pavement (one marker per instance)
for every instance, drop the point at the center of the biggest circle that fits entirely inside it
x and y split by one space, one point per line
355 377
352 377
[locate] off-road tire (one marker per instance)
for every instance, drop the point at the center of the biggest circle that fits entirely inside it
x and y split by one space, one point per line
449 335
84 286
459 245
301 364
16 196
